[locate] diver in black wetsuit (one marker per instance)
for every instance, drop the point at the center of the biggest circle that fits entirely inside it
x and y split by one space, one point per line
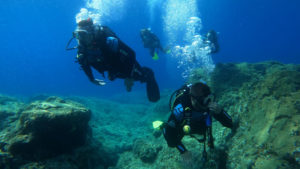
151 41
100 48
191 113
211 39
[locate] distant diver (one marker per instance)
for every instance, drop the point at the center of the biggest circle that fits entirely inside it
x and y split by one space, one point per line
211 38
100 48
151 41
192 109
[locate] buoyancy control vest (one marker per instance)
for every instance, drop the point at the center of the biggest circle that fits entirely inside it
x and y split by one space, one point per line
180 99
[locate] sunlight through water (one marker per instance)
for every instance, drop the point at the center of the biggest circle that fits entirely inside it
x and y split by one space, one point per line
103 11
182 26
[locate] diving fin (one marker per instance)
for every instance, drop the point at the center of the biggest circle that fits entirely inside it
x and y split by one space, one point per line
155 57
168 51
152 90
151 85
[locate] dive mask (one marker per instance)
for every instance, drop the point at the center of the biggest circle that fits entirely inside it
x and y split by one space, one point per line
80 34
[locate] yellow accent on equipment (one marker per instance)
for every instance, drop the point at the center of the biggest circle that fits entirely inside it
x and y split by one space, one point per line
186 129
157 124
155 57
187 109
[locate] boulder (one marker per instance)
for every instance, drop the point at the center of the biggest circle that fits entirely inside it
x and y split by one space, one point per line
49 128
145 151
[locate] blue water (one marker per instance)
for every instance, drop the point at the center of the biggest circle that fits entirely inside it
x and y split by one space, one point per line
34 34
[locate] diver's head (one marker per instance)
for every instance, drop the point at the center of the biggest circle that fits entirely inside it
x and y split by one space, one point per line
84 31
85 22
145 31
211 35
142 32
200 96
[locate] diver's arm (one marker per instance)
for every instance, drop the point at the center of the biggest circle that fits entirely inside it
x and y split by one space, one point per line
85 66
224 119
219 114
172 134
88 71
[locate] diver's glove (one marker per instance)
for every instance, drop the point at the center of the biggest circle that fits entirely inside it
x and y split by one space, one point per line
214 108
99 82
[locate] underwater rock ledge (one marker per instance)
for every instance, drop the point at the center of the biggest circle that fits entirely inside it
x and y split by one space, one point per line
49 128
262 97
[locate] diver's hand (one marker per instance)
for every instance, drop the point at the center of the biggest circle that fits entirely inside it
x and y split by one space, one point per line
214 108
99 82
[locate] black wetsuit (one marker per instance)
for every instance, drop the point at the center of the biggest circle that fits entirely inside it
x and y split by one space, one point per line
108 53
200 122
151 41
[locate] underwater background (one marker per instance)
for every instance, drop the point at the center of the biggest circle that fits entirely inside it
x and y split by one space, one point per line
35 33
255 74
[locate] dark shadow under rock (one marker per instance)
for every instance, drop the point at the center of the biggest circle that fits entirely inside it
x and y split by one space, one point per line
90 156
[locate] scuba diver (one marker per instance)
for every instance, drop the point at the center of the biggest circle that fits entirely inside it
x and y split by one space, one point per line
100 48
211 39
152 42
192 110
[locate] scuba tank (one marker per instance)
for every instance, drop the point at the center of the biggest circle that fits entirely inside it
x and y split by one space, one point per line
183 91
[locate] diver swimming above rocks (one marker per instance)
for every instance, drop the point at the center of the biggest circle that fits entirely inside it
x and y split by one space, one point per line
152 42
100 48
211 39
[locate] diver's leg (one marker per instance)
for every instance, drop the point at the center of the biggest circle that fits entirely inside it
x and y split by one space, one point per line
133 70
152 51
128 82
145 74
173 139
125 60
